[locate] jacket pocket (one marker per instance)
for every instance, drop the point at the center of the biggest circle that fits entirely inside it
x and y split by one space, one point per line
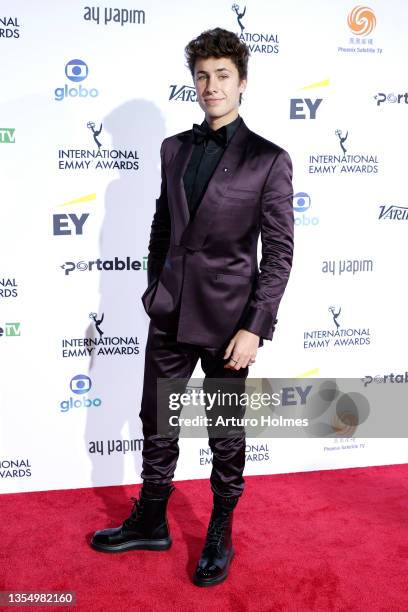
232 278
148 295
241 194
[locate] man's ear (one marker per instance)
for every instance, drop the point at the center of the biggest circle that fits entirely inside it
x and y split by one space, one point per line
242 85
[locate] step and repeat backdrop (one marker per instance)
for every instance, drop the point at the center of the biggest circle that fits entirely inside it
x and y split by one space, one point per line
88 93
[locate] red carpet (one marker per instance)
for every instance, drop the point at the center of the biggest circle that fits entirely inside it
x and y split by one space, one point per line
329 540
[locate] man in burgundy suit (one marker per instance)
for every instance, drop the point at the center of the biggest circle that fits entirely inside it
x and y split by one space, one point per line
222 186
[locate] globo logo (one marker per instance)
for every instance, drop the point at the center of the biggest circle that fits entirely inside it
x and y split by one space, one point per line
301 204
84 402
76 70
301 201
80 385
75 92
304 220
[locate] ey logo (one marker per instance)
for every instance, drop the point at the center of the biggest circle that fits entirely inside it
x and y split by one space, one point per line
68 224
10 329
306 108
7 135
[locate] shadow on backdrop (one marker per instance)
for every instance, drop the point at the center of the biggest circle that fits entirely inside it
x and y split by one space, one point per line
130 201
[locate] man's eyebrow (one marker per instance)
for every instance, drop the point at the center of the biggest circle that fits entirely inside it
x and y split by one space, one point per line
217 70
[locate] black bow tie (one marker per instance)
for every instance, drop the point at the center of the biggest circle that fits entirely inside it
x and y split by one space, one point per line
203 133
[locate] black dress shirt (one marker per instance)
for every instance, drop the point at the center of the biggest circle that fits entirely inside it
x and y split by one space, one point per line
203 162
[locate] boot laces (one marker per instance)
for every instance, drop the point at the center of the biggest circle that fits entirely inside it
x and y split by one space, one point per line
216 532
136 513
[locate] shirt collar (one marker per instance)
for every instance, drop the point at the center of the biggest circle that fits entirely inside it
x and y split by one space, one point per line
231 127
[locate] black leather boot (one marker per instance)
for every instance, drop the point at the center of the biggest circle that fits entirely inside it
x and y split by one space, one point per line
218 551
145 529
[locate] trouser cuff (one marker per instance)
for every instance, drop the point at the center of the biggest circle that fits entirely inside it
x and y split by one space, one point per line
228 503
151 489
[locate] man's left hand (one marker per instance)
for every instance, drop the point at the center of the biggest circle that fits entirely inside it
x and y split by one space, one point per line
241 350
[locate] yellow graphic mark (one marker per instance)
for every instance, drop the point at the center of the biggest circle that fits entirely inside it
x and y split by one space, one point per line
85 198
308 373
323 83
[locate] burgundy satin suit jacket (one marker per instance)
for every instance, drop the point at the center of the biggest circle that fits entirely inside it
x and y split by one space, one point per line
203 276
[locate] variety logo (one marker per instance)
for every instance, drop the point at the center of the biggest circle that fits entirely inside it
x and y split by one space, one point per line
7 136
393 212
343 266
391 98
98 158
337 336
9 27
258 42
76 71
361 21
99 344
68 224
306 108
343 163
8 288
301 204
80 385
114 15
183 93
10 329
118 265
15 468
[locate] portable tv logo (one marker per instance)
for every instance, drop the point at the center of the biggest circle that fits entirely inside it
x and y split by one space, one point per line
392 98
257 42
80 385
301 205
76 71
10 329
118 265
7 136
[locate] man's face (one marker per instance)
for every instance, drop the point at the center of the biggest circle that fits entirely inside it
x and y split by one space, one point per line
218 86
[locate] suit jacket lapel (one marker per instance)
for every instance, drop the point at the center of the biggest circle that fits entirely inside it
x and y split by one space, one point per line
181 212
194 233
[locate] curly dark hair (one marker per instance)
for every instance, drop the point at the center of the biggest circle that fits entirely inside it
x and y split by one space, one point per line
218 43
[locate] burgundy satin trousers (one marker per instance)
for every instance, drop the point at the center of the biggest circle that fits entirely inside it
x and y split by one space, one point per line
167 358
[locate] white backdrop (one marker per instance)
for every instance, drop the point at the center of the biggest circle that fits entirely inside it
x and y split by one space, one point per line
63 76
